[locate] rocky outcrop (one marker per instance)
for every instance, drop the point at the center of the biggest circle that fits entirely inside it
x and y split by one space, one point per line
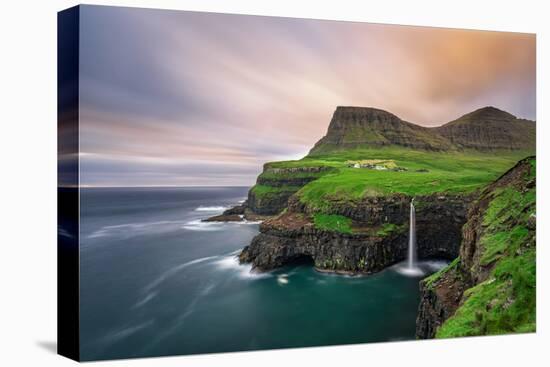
276 185
239 213
270 203
496 257
292 237
368 248
439 301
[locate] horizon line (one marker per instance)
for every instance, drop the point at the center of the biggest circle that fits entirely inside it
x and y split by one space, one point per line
150 186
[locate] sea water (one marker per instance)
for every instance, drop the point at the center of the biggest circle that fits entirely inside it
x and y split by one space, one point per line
155 280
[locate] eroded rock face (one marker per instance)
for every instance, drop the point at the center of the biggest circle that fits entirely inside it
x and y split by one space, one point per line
293 235
284 182
269 204
439 221
442 294
438 301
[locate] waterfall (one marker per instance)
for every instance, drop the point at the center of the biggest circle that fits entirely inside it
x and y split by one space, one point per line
411 261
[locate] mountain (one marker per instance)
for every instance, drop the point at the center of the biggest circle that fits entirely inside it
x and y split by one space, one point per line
485 129
489 128
353 127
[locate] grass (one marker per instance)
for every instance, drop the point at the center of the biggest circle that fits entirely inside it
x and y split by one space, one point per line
432 279
496 244
446 173
503 304
388 228
264 190
506 301
332 223
294 175
388 164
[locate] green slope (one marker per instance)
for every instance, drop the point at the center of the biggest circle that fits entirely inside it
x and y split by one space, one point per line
506 301
426 173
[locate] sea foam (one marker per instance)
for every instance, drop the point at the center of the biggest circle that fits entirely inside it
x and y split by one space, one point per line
211 208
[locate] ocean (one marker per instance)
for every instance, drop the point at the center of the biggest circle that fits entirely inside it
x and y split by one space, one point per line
157 281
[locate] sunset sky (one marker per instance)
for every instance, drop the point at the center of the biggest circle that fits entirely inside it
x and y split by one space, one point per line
176 98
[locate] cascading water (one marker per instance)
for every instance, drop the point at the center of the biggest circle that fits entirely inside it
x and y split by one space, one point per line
411 267
411 261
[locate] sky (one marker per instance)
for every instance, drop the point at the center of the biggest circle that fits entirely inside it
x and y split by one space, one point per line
174 98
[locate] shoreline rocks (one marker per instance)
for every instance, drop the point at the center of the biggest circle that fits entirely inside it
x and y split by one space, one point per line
238 213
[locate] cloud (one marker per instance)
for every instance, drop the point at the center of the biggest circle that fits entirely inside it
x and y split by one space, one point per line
237 91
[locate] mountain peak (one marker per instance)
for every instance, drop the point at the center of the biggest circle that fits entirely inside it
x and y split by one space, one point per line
490 128
347 111
352 127
487 128
488 113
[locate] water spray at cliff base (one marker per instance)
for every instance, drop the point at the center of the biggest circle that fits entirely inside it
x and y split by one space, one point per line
411 268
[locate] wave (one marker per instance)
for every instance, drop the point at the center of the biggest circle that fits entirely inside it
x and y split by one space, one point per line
179 321
174 270
126 332
282 279
198 225
249 222
211 208
128 230
231 262
146 299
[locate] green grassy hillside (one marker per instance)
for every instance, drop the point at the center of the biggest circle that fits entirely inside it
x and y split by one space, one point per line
506 301
423 172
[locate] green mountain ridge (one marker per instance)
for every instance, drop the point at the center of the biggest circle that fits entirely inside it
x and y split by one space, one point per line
485 129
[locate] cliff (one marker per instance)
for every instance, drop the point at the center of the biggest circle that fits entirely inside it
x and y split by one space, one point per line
276 185
364 238
490 288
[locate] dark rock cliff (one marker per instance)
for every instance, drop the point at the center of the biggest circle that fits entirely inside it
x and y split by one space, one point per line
292 237
269 204
496 256
276 185
368 248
